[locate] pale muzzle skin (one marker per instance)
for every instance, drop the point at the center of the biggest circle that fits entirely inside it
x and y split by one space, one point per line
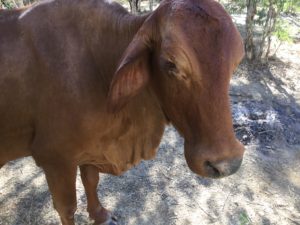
208 163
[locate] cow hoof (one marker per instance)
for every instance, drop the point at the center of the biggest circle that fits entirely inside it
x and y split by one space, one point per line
111 221
106 216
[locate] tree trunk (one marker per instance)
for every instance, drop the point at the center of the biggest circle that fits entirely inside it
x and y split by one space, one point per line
249 45
134 6
151 3
19 3
269 27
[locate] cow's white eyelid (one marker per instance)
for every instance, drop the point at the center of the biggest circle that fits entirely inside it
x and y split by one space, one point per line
170 67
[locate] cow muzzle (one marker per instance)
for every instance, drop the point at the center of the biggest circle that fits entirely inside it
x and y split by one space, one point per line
214 164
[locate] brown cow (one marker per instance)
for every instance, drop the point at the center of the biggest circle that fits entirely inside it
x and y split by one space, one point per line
84 83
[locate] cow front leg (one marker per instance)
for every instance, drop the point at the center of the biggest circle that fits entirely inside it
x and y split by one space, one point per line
90 179
61 180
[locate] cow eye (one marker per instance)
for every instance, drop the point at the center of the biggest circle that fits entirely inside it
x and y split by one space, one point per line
170 67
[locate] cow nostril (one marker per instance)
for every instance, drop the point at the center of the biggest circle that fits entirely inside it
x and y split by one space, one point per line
212 170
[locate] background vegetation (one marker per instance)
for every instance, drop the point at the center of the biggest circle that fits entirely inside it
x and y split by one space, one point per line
264 19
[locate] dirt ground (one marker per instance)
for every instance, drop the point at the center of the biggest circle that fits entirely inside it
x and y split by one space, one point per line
266 190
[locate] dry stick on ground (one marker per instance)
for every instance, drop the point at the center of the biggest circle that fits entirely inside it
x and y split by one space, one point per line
210 216
226 200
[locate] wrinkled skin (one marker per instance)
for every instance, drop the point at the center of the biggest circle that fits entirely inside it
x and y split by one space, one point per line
95 86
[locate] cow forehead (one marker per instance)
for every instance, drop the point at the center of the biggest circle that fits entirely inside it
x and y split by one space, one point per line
191 37
194 13
192 25
197 8
189 17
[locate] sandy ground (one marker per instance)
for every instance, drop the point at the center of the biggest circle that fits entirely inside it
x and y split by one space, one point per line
266 190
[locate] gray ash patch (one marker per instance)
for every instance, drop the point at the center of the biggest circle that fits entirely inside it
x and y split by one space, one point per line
290 117
255 120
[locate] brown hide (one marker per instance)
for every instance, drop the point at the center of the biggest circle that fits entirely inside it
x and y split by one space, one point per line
54 81
84 83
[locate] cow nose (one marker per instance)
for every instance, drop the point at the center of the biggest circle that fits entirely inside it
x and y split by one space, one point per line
223 168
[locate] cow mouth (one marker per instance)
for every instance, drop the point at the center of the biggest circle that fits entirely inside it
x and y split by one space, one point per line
214 172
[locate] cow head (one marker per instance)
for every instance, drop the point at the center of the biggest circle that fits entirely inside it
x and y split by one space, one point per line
187 51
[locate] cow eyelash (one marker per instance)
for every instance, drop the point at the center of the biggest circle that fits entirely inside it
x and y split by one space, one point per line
171 67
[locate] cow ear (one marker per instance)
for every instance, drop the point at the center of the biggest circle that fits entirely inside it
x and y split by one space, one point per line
132 75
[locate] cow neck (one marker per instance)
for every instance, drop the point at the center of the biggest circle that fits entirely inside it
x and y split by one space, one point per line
107 32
